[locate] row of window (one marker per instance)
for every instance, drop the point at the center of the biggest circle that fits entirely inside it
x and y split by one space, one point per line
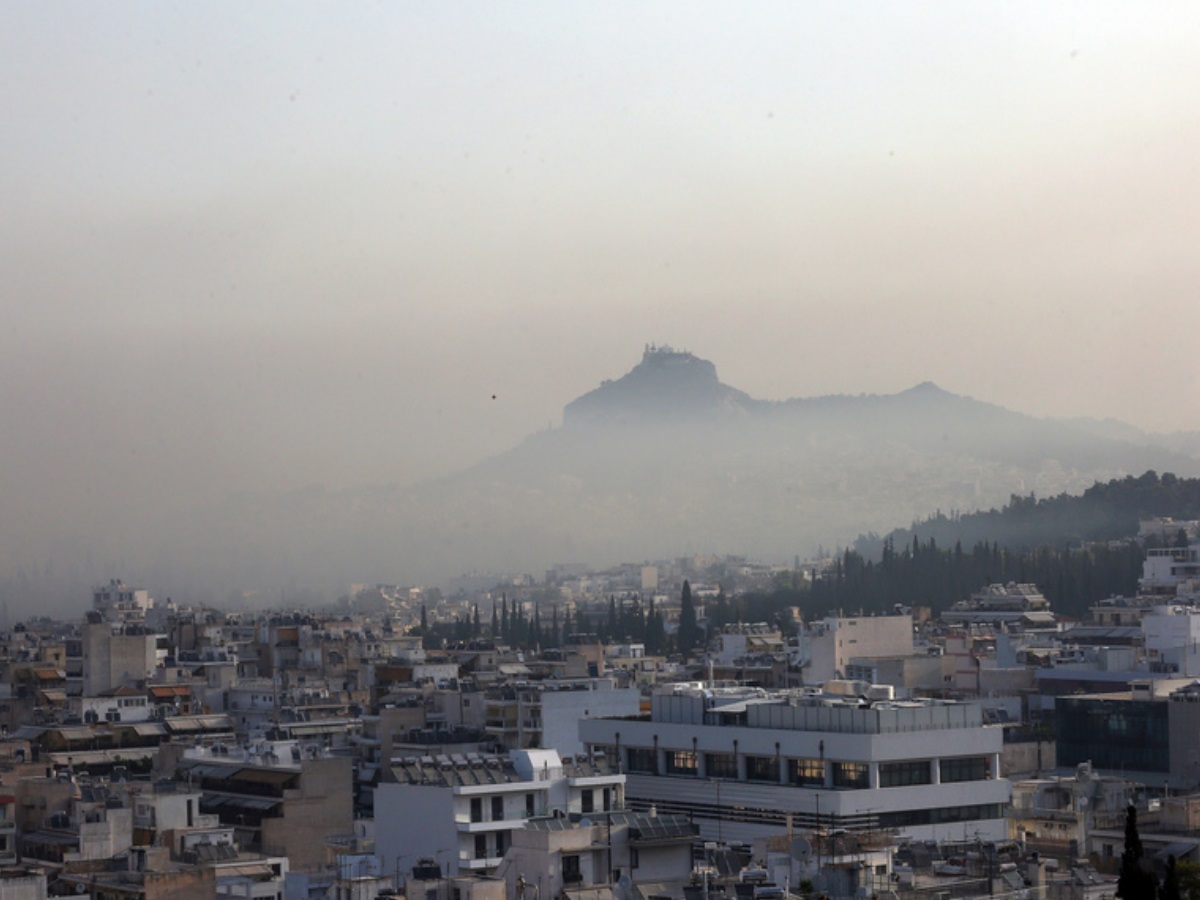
809 772
776 818
587 803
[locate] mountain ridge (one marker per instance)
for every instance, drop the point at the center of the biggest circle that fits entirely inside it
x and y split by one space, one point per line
662 462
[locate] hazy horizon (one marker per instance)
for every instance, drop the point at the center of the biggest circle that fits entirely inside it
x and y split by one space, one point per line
254 248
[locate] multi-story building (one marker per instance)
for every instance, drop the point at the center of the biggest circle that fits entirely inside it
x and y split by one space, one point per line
467 807
1170 570
283 800
744 763
829 645
114 655
545 714
554 855
1147 733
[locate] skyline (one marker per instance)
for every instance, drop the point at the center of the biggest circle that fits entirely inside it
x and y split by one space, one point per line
257 248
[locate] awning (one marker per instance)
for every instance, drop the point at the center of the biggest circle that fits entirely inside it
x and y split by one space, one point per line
244 870
169 690
308 729
80 734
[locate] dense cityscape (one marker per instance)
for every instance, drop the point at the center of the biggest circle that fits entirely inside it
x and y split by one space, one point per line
620 733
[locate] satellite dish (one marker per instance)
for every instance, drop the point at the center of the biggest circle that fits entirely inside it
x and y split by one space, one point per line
800 850
585 822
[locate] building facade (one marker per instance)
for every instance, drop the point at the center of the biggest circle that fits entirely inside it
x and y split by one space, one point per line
746 764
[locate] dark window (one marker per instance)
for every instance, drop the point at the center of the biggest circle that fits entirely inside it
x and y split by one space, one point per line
501 842
529 805
720 765
587 802
964 768
899 774
851 775
806 771
681 762
476 809
642 759
497 809
762 768
571 873
481 846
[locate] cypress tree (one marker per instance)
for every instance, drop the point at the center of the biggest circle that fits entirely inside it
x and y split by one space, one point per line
1134 882
687 620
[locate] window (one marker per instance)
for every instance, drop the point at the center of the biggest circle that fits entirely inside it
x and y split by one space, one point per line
720 765
964 768
642 759
806 771
898 774
481 846
762 768
497 809
529 807
476 809
851 775
571 873
587 802
501 842
681 762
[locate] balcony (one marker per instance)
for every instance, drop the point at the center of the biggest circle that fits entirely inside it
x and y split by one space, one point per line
464 825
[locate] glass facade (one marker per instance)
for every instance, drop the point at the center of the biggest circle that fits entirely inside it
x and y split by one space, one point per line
851 775
762 768
806 771
720 765
898 774
642 759
681 762
964 768
1118 735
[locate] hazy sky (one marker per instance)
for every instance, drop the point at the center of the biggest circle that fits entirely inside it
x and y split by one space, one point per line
261 245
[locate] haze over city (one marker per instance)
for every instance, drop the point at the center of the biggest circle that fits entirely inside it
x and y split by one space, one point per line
259 248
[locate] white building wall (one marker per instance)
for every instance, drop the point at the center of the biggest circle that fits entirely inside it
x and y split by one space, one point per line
1172 635
562 712
770 803
833 642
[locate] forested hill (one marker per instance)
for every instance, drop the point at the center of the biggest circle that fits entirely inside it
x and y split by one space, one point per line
1106 511
1074 548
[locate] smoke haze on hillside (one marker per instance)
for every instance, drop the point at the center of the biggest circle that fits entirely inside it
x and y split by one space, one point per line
273 252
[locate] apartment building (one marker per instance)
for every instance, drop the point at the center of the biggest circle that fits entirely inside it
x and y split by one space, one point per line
466 807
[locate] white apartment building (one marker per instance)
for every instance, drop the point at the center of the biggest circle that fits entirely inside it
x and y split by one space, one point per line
828 646
1170 570
463 810
1172 639
745 764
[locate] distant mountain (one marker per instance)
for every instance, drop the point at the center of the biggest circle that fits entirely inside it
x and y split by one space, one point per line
663 461
666 385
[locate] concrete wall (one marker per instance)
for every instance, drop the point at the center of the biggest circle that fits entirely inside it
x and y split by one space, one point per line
411 821
562 710
1026 759
323 806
